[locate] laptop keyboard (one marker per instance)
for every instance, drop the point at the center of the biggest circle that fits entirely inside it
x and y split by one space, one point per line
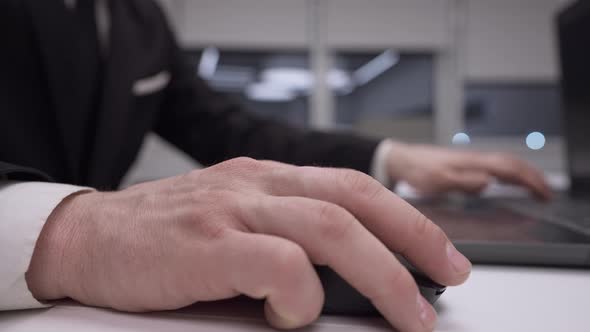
572 213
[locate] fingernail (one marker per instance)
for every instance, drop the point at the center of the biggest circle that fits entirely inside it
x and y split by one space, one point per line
460 263
426 313
277 320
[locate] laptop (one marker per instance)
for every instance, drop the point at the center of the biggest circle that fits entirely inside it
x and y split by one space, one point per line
522 231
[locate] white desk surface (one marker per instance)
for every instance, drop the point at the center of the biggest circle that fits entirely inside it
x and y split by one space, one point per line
498 299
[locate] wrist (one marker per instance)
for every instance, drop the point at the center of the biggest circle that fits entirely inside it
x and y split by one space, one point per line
48 273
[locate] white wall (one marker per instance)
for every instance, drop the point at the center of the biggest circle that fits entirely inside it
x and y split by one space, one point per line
511 40
505 40
409 24
402 24
242 23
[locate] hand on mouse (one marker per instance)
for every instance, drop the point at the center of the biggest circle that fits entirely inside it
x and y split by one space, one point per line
244 227
434 170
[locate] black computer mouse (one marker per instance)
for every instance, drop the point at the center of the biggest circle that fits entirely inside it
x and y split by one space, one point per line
343 299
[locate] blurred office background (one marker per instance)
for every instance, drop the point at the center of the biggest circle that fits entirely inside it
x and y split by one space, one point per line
431 71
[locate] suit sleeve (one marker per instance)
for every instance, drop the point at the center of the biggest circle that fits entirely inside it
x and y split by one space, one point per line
24 208
211 128
10 171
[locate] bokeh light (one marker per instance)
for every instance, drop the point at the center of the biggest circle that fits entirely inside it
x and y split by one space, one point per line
535 140
461 139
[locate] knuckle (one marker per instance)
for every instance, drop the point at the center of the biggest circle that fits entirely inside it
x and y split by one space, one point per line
209 225
437 233
447 176
436 178
421 225
440 176
429 231
209 196
289 259
240 164
333 223
483 181
498 156
214 230
423 228
510 160
362 183
393 280
511 166
209 219
501 159
242 161
521 166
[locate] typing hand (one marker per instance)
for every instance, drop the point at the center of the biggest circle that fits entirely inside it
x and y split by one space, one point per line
244 227
433 170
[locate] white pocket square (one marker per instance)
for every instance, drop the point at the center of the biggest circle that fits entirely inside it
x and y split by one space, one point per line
148 85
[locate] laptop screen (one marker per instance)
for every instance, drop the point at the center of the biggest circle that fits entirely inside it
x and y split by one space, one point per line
574 45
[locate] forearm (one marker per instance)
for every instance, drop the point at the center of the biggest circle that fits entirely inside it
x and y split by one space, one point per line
212 128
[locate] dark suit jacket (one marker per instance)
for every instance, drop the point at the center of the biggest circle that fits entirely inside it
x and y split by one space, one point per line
46 113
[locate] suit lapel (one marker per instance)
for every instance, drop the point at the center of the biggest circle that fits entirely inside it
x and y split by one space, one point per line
116 104
56 30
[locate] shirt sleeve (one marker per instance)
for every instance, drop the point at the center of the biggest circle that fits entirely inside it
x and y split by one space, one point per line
379 163
24 208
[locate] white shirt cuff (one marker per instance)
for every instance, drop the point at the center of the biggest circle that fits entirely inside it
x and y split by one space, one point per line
24 208
379 163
